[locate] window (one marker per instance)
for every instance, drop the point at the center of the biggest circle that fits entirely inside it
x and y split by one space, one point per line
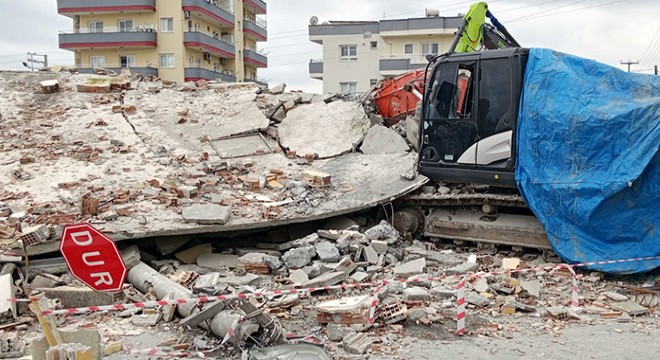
198 62
374 45
494 97
373 82
167 24
97 61
348 87
95 26
408 49
348 52
430 48
167 60
127 61
125 25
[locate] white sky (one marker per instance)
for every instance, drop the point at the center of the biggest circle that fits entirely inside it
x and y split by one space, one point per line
605 30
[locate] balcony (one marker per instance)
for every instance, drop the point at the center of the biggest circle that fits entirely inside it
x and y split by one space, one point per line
210 11
255 29
397 66
255 59
258 5
316 69
427 26
196 73
72 8
148 71
207 43
83 39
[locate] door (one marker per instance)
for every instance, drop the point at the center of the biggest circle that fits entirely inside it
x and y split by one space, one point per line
125 25
450 128
496 112
97 61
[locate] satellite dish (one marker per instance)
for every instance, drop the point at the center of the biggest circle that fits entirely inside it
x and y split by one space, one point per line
313 20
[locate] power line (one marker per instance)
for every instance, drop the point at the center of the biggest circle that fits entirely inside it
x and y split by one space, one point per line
571 10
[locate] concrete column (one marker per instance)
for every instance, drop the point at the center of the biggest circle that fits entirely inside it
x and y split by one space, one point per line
239 41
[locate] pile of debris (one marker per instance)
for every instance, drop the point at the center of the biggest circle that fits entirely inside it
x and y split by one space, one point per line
142 157
352 288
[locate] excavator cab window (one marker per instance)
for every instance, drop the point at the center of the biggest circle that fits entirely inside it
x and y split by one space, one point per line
449 127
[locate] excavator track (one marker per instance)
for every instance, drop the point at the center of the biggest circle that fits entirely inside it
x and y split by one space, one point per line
476 215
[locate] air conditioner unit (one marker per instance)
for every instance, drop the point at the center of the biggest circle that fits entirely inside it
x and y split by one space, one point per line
207 56
186 14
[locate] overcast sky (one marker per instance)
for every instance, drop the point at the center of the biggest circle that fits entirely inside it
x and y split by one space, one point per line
605 30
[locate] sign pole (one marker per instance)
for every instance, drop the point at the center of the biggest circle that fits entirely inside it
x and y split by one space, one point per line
45 326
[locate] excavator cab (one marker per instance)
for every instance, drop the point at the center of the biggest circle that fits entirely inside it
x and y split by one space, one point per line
469 113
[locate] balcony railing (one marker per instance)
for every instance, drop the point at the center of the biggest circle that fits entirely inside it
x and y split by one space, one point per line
316 66
255 28
398 65
196 73
259 5
254 58
107 39
208 43
216 11
76 7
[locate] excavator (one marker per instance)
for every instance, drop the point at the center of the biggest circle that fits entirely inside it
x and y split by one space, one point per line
490 183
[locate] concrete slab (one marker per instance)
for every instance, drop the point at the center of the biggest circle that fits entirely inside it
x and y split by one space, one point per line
382 140
324 129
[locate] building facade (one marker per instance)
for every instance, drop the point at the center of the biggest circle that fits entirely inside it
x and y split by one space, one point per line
357 54
177 40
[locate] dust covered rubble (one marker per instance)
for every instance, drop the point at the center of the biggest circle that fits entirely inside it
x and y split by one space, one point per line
417 288
131 154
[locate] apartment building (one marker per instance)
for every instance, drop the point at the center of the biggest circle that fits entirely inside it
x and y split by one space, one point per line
177 40
357 54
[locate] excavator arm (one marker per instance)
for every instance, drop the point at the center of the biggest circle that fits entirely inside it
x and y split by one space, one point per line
475 34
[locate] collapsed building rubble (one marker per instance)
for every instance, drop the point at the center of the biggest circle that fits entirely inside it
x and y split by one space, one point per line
140 158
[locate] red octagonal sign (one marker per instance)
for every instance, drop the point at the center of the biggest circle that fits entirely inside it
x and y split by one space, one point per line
93 258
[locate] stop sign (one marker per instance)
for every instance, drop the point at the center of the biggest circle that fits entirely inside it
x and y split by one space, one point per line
93 258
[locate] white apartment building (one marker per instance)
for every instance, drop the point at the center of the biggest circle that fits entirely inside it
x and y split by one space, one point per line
356 54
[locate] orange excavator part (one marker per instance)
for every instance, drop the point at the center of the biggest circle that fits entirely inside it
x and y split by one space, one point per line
392 101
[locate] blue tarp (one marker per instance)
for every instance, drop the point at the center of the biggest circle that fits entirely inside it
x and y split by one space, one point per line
588 159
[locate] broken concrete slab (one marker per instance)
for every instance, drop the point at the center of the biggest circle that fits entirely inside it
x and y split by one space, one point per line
298 277
206 214
207 313
477 300
630 307
614 296
327 252
327 279
415 293
379 246
147 319
533 287
382 140
410 268
336 332
383 231
462 269
237 281
325 129
370 255
299 257
277 89
74 297
357 343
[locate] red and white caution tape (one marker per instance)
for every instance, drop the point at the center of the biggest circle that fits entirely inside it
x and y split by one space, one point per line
159 353
205 299
460 307
374 304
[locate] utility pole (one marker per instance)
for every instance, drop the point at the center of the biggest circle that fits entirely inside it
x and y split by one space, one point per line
32 60
629 63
